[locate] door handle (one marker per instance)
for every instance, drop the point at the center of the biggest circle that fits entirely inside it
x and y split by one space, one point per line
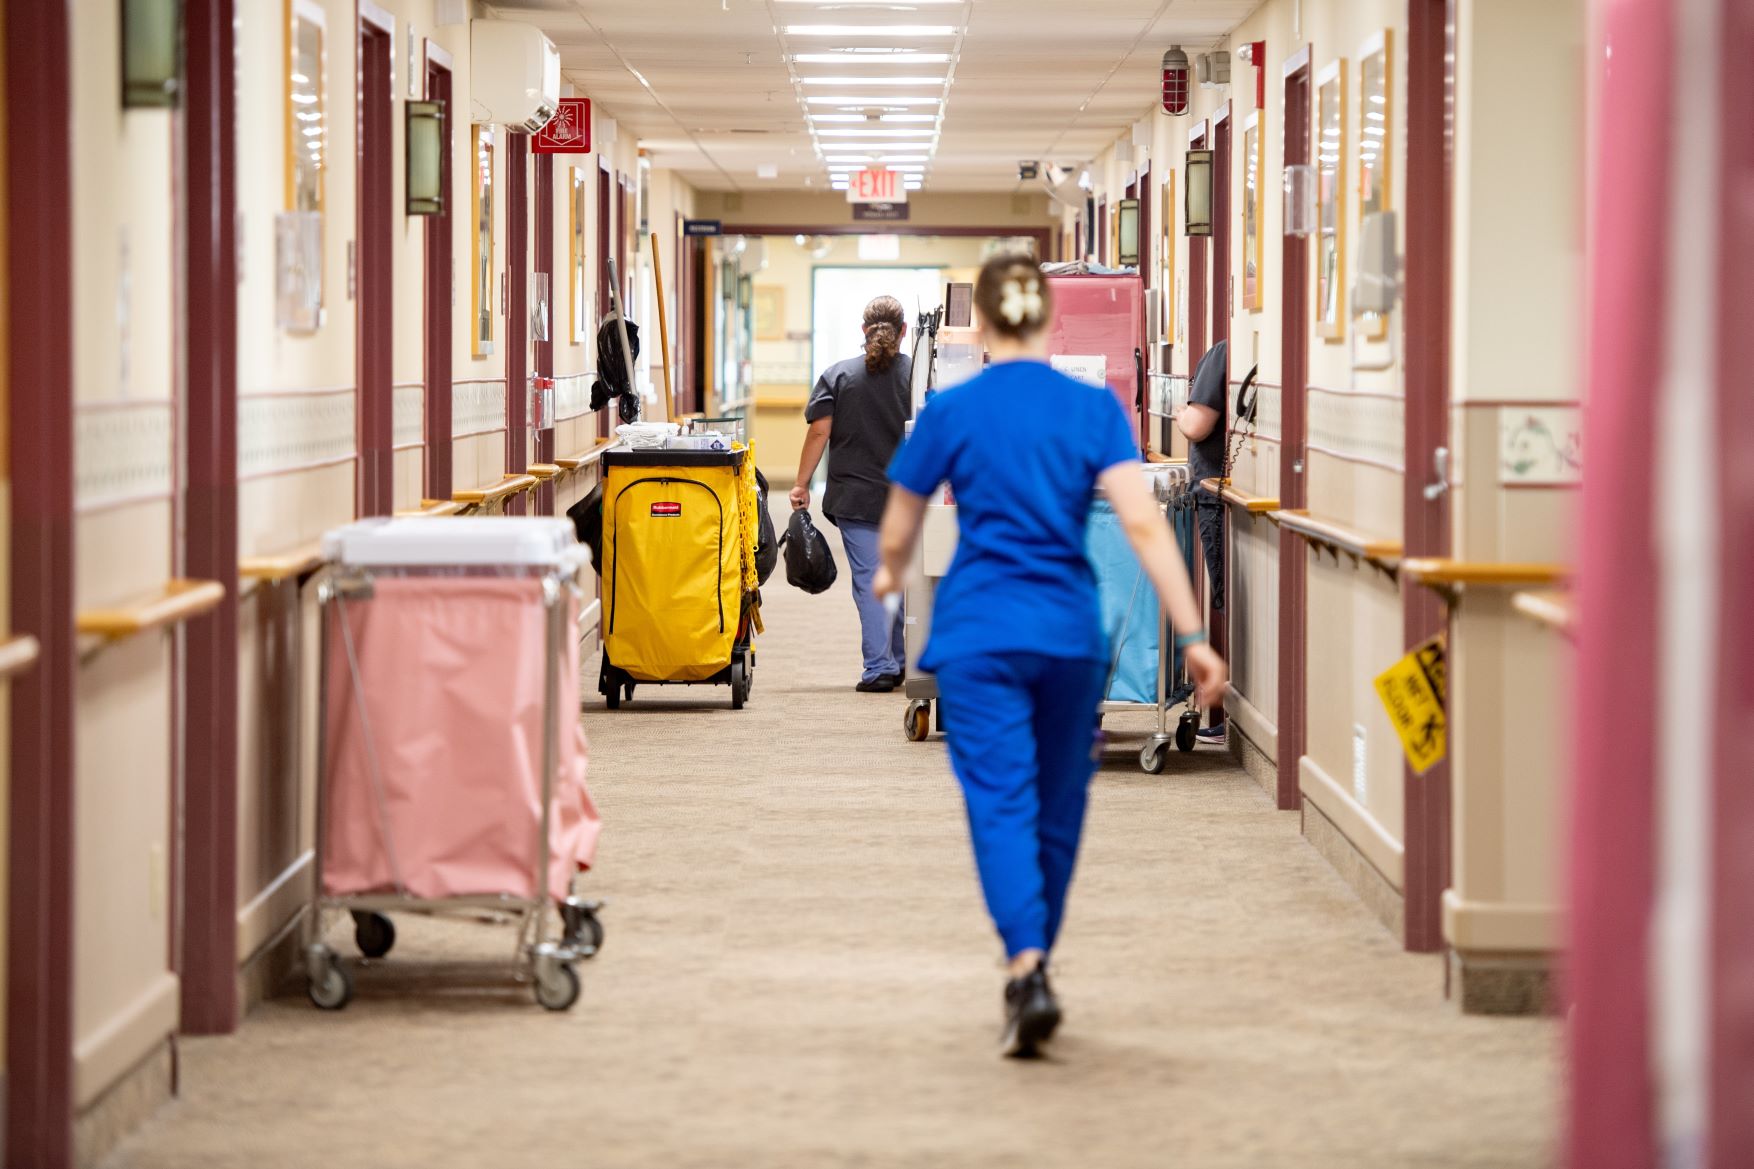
1440 463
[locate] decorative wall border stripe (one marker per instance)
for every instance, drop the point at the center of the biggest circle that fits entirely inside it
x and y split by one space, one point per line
1365 428
408 407
572 395
282 432
123 453
477 407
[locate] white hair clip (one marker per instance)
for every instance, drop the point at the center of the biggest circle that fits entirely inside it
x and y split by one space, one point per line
1021 302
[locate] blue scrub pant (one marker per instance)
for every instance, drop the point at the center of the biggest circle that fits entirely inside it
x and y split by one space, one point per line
880 639
1022 731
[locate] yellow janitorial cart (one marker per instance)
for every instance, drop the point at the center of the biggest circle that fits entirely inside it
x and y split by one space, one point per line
681 604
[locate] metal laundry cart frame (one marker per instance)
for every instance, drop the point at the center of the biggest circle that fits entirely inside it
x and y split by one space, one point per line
546 964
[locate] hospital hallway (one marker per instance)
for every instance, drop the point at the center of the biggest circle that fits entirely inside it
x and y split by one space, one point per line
798 972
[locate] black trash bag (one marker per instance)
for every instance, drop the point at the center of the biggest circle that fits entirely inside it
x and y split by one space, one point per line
613 380
587 521
809 563
767 547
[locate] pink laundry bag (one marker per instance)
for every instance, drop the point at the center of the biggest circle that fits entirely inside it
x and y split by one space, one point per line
434 758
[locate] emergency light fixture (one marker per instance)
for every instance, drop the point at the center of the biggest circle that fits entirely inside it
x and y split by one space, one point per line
1197 206
152 53
1176 81
425 148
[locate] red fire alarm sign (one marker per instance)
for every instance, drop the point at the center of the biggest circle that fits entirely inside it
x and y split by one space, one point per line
568 131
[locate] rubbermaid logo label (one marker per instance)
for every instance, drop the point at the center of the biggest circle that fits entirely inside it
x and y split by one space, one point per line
667 510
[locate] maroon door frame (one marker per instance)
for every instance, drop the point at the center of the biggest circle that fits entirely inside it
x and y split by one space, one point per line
1146 196
1101 249
621 210
374 307
440 280
517 311
544 356
207 961
39 857
1431 47
1293 484
1221 306
606 417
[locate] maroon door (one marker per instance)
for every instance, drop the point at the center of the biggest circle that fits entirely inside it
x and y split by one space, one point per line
1430 96
373 317
1293 484
439 323
599 267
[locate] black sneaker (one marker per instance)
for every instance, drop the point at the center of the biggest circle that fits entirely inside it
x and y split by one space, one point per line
881 684
1031 1015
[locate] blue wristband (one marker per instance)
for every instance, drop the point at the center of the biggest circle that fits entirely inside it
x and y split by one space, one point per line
1183 640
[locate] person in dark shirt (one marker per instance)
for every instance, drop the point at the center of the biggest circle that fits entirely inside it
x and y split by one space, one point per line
858 412
1204 421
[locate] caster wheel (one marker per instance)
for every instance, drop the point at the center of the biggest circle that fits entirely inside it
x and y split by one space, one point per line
739 684
917 722
627 692
582 931
374 933
612 698
1151 759
334 989
1185 732
558 989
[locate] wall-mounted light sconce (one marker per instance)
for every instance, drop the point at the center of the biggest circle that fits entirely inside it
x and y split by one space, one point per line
1127 228
1197 206
426 157
152 53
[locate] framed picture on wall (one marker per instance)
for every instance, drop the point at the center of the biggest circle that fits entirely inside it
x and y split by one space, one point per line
770 312
1376 121
578 307
1254 171
1330 303
481 243
298 231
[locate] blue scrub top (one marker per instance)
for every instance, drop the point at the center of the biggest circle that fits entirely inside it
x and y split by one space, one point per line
1022 446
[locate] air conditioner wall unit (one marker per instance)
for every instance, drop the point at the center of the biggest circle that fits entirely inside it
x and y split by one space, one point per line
514 75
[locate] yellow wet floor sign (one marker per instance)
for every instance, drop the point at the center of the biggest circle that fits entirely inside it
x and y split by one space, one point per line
1412 691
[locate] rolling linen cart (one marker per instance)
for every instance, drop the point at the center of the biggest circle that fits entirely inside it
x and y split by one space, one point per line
1145 671
680 599
451 764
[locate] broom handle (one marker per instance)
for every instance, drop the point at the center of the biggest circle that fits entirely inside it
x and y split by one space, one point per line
663 327
620 311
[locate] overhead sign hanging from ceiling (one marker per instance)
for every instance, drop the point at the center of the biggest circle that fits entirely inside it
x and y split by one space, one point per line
879 212
876 184
568 131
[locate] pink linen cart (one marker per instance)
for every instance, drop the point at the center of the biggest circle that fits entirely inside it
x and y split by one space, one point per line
451 763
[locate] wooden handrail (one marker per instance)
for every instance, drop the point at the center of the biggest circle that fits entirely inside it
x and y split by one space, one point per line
432 508
1437 570
542 471
1253 504
179 601
1375 549
587 458
509 486
1156 459
1551 607
300 561
18 654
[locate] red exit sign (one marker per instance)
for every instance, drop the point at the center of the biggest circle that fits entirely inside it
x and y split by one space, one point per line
876 184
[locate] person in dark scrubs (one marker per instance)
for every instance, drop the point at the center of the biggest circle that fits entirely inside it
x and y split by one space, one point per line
858 412
1017 642
1205 422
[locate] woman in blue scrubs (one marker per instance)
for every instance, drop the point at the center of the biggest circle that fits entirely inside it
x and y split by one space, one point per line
1017 642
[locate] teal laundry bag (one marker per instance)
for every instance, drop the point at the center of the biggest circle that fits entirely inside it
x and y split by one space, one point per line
1129 608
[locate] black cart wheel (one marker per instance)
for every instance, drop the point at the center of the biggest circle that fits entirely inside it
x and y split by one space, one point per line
582 930
1185 731
374 933
557 989
739 683
612 698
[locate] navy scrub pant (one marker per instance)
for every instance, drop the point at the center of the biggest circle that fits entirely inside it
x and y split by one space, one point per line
1022 731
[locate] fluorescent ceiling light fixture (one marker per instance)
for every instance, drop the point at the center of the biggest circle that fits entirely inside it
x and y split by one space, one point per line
885 159
847 168
843 118
873 57
872 99
916 82
869 30
871 5
863 133
910 117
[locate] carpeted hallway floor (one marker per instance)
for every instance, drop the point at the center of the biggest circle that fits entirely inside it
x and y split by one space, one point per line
799 975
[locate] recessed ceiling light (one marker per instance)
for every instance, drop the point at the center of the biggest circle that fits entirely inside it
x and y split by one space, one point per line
842 118
886 158
918 82
879 57
910 117
863 133
847 101
869 30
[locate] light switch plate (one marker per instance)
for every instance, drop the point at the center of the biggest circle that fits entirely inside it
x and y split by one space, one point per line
1360 784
